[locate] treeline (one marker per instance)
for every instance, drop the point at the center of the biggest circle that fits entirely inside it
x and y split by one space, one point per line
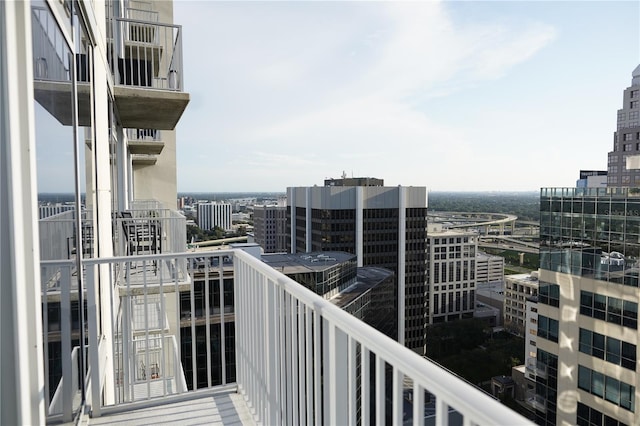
525 205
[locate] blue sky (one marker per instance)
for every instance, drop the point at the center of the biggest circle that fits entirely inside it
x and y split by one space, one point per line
447 95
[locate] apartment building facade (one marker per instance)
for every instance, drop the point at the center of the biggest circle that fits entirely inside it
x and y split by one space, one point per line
102 80
519 288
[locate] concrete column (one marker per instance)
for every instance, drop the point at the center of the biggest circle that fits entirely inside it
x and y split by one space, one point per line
21 364
291 202
359 225
402 237
307 220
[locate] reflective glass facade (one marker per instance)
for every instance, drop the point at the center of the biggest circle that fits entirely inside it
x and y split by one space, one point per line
591 232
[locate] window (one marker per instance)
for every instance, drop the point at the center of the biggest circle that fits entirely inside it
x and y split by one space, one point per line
634 94
610 309
633 104
549 294
588 416
548 328
612 350
628 137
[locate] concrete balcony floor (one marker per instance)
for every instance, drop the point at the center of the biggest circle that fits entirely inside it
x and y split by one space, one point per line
228 408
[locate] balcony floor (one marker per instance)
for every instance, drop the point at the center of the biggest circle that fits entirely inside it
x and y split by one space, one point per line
219 409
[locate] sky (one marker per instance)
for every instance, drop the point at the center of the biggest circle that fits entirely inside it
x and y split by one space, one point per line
454 96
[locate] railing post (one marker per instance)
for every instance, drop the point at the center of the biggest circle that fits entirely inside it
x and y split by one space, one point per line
380 391
353 409
418 405
65 343
338 376
365 388
94 340
397 396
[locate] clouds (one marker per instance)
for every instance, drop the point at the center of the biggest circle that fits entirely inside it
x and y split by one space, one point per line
295 92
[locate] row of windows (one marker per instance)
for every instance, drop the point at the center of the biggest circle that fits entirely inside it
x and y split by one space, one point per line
610 309
607 348
591 205
630 136
588 416
548 328
450 240
613 390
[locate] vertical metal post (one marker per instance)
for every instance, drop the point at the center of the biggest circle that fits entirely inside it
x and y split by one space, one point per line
418 405
223 355
380 391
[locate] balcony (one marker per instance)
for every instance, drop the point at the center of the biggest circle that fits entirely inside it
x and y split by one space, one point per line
286 355
53 71
145 141
536 368
146 63
536 401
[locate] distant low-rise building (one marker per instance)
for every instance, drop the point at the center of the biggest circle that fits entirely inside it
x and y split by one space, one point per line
489 268
214 214
518 289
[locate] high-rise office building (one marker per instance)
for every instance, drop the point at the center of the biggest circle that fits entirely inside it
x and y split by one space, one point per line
626 138
587 324
211 215
270 227
383 226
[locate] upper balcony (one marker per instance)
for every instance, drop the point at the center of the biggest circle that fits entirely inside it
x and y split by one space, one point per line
145 141
146 63
292 356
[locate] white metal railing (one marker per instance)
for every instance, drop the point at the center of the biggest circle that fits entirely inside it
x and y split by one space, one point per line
302 359
152 135
536 401
147 228
294 356
145 53
536 368
57 236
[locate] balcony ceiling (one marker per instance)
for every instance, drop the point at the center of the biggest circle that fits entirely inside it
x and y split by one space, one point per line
146 108
143 160
145 147
55 97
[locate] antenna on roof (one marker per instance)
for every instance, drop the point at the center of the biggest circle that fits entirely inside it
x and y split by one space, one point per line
344 174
